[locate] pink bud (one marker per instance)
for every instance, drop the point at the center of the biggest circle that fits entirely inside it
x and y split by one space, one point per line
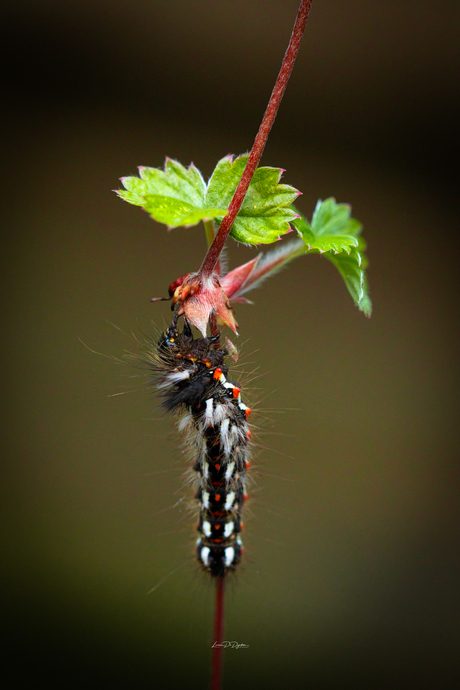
200 298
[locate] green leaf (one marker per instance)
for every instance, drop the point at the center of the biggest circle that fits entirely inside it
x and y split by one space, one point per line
337 236
265 214
351 267
175 213
179 196
174 196
331 228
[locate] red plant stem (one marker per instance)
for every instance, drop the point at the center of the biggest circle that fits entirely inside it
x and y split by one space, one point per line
257 150
217 650
212 257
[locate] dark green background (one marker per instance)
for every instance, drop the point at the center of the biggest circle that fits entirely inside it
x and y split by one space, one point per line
352 569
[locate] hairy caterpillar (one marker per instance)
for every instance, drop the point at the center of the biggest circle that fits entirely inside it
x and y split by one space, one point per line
191 377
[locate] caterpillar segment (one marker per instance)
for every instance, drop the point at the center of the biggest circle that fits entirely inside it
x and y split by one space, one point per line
192 380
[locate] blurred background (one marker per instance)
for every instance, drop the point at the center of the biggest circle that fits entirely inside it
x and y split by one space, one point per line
352 566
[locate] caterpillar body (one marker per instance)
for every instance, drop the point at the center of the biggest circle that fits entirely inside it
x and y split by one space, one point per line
191 377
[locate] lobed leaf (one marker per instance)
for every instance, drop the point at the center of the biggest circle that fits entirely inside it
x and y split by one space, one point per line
352 269
265 214
175 213
337 236
331 228
175 181
174 196
179 196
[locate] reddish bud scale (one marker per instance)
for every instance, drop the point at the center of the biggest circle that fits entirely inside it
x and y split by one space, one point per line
199 299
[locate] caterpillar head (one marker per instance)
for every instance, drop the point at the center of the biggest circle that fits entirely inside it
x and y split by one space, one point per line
171 341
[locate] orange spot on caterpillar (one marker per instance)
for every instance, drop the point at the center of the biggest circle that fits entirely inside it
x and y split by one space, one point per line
247 412
217 373
217 497
217 467
236 391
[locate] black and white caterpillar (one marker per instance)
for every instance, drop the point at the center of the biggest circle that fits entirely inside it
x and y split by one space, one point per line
191 377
